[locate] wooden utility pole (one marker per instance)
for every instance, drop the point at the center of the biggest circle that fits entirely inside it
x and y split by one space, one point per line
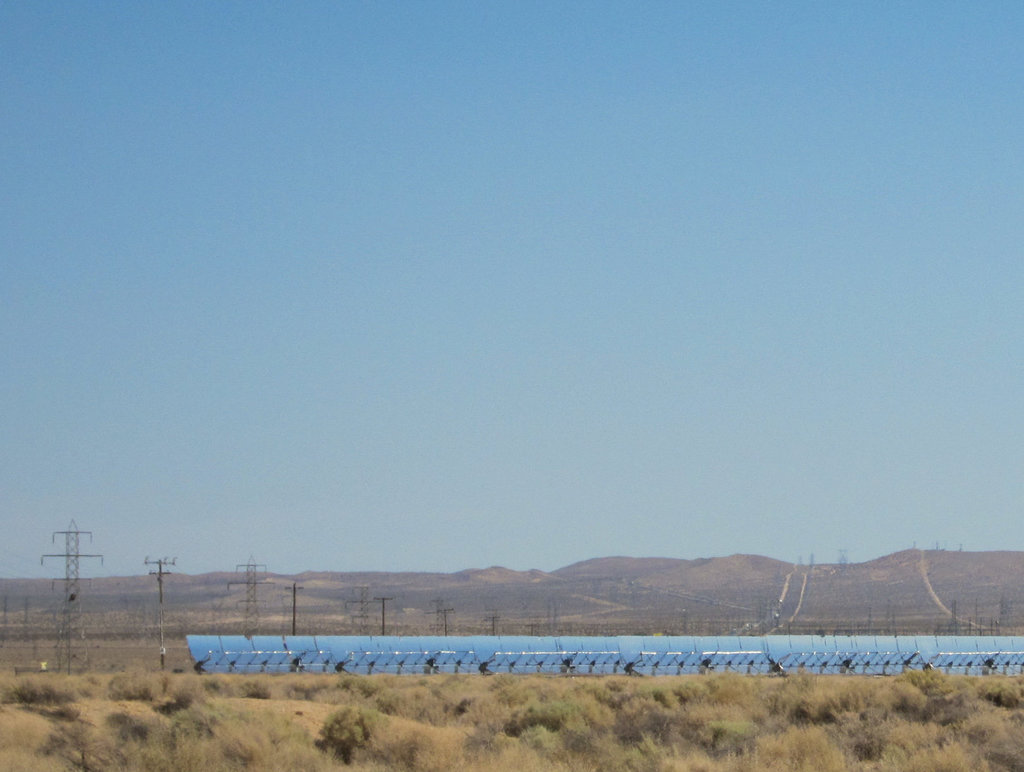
159 573
295 588
383 605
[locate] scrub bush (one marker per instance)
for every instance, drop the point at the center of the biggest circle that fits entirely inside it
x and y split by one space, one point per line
347 730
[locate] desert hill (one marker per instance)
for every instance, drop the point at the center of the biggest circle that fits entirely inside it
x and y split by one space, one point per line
921 591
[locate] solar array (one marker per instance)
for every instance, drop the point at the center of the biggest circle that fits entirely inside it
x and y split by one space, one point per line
631 655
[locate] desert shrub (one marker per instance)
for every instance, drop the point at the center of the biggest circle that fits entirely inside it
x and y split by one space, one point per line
347 730
216 739
822 700
183 694
713 723
608 693
906 739
580 741
646 756
802 749
864 736
947 709
907 700
553 715
80 747
1005 752
486 740
416 702
643 719
930 682
363 686
39 690
733 689
731 737
692 725
216 684
22 735
540 739
388 702
417 748
129 728
1002 692
254 740
997 735
306 687
255 689
690 690
144 687
950 757
91 685
511 690
192 724
22 760
663 696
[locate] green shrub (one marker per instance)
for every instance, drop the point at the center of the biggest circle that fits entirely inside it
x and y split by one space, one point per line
731 736
347 730
553 716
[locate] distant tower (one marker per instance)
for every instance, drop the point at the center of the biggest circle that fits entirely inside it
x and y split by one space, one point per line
362 615
251 623
844 561
71 611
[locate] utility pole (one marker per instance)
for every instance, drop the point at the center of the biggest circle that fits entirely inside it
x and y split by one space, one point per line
160 564
295 588
71 608
252 611
441 616
493 619
383 605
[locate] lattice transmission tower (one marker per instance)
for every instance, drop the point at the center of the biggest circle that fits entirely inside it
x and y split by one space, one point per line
251 621
361 618
70 618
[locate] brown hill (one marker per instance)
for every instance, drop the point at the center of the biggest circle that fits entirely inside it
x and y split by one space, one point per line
929 591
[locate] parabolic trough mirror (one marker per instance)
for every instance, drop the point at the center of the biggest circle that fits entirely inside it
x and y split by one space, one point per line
631 655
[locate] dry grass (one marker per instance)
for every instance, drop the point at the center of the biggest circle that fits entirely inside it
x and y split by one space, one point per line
718 723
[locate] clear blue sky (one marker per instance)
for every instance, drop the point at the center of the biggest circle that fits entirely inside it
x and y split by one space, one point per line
436 285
